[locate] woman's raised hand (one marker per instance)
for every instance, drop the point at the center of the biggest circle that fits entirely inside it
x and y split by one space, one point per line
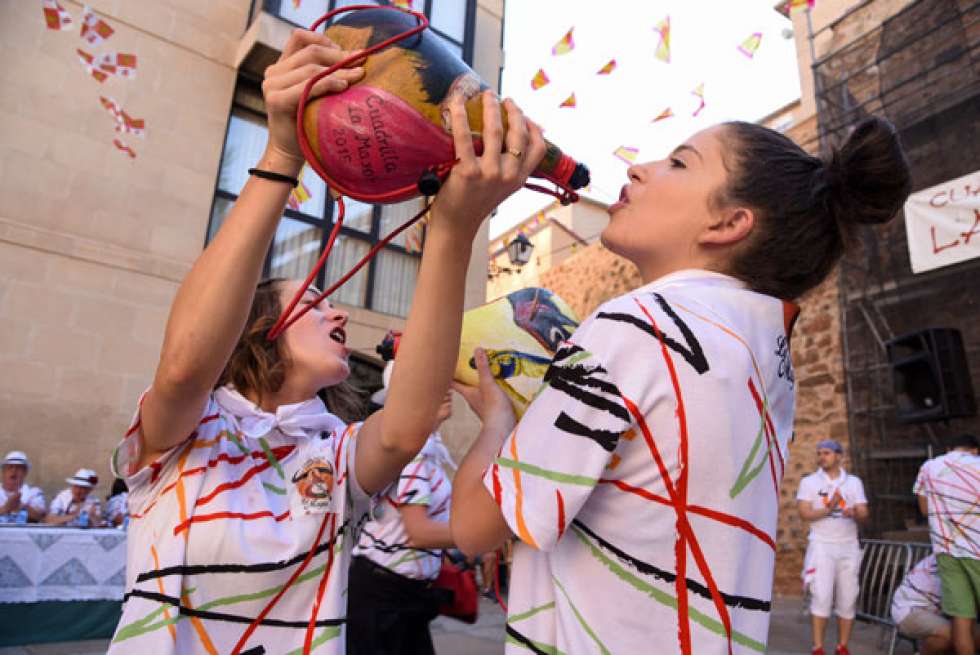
305 55
487 400
477 184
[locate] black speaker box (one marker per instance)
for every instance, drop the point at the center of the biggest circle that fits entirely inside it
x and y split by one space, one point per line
931 376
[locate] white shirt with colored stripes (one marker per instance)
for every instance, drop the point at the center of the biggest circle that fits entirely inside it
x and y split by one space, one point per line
240 537
920 590
384 539
951 485
643 481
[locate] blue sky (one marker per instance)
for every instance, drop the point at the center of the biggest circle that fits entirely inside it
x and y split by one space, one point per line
616 110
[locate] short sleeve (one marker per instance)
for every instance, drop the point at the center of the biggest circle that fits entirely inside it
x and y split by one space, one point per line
859 497
58 506
37 500
550 464
360 500
127 454
805 492
415 483
919 488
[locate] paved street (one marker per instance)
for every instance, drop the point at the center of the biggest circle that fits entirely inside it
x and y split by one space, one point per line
789 635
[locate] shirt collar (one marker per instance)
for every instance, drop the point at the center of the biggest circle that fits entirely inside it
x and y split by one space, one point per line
712 278
838 481
305 419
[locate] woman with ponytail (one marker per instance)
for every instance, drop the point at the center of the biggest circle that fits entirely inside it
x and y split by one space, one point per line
246 489
643 480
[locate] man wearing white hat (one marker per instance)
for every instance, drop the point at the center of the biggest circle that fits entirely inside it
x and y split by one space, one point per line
834 502
16 496
75 506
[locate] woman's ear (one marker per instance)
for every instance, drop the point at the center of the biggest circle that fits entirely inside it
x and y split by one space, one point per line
728 227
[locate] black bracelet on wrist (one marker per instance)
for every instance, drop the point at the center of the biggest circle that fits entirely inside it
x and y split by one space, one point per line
275 177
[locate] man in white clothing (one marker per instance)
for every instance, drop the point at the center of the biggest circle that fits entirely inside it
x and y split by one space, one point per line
834 502
19 502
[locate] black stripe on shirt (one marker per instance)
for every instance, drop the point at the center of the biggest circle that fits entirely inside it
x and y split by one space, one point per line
231 618
578 381
262 567
607 439
731 600
692 353
524 641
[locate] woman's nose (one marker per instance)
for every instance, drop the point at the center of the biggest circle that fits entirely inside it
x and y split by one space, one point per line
340 315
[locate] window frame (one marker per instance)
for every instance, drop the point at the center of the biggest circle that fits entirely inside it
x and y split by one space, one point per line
325 223
469 22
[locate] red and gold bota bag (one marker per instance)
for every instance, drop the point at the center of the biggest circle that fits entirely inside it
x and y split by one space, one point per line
386 138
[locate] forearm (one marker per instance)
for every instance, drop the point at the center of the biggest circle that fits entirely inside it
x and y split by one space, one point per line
478 526
212 304
59 519
35 514
427 533
808 513
429 346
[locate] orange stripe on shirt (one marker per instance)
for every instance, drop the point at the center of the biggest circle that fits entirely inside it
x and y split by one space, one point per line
202 634
522 530
166 610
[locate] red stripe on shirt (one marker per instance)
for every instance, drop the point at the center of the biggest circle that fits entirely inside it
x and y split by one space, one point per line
204 518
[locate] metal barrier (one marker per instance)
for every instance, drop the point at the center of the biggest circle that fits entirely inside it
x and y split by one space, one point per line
884 565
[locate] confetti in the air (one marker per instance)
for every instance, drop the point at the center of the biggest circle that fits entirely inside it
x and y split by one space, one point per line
663 48
627 154
539 80
565 45
608 68
750 45
699 92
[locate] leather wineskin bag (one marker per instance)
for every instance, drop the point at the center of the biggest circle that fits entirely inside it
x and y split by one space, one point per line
377 139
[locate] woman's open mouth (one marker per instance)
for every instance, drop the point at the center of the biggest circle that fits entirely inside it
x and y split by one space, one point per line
622 202
339 335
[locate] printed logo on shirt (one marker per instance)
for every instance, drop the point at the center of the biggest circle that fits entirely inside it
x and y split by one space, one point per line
836 503
314 484
785 363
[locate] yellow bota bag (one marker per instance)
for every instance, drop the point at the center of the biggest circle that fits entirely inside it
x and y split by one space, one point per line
520 333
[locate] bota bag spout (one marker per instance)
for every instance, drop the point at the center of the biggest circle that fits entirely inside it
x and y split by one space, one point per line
386 138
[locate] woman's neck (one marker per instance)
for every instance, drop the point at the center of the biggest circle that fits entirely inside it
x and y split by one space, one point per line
286 395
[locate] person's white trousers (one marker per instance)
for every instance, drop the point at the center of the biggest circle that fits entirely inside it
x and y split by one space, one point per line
830 570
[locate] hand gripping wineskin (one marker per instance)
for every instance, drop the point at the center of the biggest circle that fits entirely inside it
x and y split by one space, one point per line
390 130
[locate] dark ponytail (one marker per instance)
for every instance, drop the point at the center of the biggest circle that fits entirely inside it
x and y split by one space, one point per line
806 209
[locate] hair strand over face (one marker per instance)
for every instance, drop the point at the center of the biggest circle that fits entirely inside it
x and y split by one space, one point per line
258 366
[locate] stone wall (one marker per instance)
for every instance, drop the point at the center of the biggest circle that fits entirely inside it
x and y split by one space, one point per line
93 244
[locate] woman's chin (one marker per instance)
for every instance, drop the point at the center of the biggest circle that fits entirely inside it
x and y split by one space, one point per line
609 241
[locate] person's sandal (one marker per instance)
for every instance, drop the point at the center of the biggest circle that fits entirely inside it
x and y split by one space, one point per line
842 650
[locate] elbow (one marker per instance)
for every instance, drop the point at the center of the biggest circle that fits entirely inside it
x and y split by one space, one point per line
469 547
400 442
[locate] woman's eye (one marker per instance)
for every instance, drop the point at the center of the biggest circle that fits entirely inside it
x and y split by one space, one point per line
676 163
